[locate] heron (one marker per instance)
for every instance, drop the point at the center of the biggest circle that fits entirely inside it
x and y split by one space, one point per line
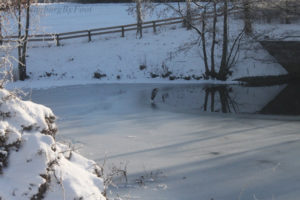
153 94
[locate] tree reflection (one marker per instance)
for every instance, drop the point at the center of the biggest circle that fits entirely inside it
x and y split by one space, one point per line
228 104
277 99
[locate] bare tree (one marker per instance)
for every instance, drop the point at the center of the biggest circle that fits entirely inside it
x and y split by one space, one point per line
6 48
139 9
284 10
19 12
23 39
188 18
210 11
203 40
139 18
214 34
224 68
247 17
1 36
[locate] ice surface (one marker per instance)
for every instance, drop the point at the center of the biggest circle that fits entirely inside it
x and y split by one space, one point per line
175 153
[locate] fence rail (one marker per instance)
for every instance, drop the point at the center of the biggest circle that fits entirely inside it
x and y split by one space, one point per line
57 37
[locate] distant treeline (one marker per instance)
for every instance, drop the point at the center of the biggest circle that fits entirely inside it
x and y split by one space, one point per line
102 1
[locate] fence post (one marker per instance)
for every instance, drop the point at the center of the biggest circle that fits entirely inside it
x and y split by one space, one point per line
123 31
154 27
1 37
89 34
57 39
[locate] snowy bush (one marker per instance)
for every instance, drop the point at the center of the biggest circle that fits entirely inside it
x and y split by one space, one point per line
32 164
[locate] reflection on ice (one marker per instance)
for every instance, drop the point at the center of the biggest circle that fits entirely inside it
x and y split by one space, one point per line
219 98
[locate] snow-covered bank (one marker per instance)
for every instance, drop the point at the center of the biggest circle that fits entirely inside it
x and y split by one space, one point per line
131 60
32 164
136 60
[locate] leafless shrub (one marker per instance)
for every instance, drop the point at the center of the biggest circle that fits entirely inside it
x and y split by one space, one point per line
110 174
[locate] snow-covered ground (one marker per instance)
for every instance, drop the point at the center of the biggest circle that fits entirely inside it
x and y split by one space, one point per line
120 59
32 164
173 150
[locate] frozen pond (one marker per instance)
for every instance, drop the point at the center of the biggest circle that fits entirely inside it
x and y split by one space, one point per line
183 146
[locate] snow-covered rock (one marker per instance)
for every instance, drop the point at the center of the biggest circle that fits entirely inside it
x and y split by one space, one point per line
32 164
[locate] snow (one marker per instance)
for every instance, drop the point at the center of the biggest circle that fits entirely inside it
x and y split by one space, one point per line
66 17
173 150
31 158
76 61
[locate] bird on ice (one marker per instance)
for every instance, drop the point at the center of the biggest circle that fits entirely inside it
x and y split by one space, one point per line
153 94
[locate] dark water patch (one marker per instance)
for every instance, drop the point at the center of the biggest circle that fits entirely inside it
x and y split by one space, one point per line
287 102
269 80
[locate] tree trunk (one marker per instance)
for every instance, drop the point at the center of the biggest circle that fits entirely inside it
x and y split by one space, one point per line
213 71
1 36
287 12
139 18
188 19
247 17
223 68
203 39
25 40
20 64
